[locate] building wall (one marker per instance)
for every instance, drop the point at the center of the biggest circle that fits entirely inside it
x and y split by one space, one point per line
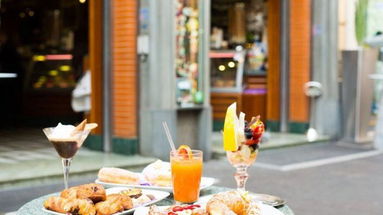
95 62
300 35
346 12
124 69
273 73
123 72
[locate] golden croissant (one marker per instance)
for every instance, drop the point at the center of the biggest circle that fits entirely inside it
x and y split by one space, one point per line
71 206
94 192
231 203
114 203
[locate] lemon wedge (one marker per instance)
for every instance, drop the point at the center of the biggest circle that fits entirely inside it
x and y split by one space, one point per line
230 128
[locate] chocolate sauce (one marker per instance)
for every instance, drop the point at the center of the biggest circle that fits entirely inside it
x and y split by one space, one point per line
66 149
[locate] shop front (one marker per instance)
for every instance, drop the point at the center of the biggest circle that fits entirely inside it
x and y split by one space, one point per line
174 75
44 45
256 65
148 61
183 62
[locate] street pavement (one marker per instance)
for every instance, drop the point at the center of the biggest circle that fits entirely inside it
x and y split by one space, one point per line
333 186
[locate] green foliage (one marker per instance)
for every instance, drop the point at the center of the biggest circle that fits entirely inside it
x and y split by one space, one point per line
361 20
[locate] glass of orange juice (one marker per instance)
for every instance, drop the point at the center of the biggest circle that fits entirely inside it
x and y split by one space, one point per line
186 175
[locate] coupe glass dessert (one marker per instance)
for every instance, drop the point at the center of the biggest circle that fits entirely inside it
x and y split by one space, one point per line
67 139
241 142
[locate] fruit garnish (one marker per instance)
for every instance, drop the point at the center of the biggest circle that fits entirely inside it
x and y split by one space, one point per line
241 128
182 208
245 152
185 152
230 128
178 208
254 147
258 129
250 142
248 133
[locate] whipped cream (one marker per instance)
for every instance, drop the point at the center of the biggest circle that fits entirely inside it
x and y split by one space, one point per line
62 131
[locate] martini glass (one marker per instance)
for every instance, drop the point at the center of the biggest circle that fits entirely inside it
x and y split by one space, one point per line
67 147
242 159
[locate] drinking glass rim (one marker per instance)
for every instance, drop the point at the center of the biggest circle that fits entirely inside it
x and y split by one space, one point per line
195 152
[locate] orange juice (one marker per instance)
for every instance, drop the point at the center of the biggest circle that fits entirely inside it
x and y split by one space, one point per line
186 176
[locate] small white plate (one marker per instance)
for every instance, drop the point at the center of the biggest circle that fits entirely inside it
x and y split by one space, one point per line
265 209
158 195
205 183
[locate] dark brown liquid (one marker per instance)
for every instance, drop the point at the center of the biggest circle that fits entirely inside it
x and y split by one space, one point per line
66 149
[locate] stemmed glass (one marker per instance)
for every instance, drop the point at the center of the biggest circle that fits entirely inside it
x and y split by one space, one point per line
67 148
242 159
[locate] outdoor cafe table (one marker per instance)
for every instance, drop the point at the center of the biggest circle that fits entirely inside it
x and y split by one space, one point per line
34 207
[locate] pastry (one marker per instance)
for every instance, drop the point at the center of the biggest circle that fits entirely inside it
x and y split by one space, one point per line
132 193
114 203
119 176
158 173
82 207
70 206
94 192
57 204
231 203
140 200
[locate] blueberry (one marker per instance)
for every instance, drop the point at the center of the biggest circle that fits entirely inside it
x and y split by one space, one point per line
248 134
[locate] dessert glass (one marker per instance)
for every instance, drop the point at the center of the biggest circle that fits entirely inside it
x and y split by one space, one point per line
186 176
242 159
66 147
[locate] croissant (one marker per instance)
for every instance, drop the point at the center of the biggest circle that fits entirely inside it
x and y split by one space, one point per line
67 206
57 204
83 207
94 192
231 203
114 203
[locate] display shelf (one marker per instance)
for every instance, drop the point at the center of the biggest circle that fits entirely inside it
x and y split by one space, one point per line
50 72
222 53
191 107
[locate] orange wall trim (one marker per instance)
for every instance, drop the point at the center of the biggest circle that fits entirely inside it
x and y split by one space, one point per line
273 73
300 25
95 62
124 22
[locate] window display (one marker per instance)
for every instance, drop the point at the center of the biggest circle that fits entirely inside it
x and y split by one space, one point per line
51 72
238 55
187 48
227 70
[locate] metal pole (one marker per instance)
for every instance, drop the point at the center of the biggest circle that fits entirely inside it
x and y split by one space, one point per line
284 70
106 26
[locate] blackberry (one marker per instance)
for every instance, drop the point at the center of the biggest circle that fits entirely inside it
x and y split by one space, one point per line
254 146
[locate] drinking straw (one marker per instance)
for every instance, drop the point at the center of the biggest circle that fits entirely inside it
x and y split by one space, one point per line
166 128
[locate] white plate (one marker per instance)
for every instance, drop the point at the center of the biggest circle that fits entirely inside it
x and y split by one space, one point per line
158 195
205 183
265 210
